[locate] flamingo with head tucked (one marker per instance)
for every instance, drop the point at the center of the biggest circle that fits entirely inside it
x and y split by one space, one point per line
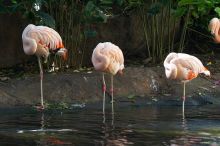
108 58
214 26
41 40
183 67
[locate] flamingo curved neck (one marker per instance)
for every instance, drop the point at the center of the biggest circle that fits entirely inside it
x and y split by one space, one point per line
101 62
171 71
31 48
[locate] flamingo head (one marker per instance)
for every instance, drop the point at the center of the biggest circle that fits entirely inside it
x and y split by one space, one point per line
213 25
63 53
120 71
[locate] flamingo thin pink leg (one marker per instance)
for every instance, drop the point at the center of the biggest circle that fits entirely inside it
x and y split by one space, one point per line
41 82
112 94
104 90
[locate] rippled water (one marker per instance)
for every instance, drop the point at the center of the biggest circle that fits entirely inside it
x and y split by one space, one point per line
132 125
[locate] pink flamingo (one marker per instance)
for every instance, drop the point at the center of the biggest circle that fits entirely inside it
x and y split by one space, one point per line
108 58
183 67
214 26
40 40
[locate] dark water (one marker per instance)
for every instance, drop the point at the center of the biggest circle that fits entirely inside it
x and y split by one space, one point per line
132 125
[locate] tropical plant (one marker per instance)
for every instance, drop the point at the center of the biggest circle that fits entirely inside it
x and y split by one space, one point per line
201 12
165 23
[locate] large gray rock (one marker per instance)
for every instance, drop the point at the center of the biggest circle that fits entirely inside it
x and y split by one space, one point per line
147 84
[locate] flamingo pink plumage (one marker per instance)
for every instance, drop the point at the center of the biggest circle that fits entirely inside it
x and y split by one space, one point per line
41 40
214 26
183 67
108 58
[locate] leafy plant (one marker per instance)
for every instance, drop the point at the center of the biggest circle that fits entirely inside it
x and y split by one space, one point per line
200 13
165 23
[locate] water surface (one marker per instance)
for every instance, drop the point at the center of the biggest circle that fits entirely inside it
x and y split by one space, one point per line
132 125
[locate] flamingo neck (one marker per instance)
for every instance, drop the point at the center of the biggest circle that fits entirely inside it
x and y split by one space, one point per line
100 61
171 71
31 48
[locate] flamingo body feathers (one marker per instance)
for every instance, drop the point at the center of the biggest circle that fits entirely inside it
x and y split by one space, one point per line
184 67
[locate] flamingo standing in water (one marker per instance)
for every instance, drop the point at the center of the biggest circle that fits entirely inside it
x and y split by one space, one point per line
183 67
41 40
108 58
214 26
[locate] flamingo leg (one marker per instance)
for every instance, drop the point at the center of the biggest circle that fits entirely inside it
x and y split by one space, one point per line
104 90
112 94
184 96
41 82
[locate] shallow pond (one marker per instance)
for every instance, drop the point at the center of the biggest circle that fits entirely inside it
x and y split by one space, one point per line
132 125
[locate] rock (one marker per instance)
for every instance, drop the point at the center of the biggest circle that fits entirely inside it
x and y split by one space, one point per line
137 85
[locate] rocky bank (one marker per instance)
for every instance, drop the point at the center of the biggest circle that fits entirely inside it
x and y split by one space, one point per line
137 84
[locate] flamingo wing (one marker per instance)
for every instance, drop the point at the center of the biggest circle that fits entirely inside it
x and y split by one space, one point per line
190 63
113 52
116 55
46 36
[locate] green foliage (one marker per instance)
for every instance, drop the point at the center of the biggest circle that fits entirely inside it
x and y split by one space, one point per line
201 10
217 10
92 13
76 20
30 9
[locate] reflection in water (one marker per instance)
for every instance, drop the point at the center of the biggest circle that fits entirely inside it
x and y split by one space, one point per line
110 138
135 124
42 128
184 137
